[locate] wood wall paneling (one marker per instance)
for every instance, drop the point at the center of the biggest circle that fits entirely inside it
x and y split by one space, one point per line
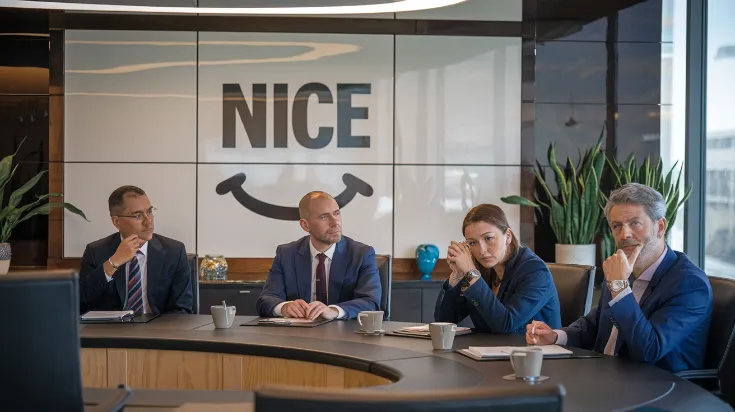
94 367
168 369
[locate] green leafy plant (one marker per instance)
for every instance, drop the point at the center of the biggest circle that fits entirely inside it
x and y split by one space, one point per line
653 176
12 212
574 211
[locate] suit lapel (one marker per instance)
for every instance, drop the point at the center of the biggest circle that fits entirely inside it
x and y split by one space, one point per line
154 267
664 267
510 268
119 276
303 270
337 271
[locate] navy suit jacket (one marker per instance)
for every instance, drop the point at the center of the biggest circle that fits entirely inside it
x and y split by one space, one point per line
668 329
167 272
354 283
526 293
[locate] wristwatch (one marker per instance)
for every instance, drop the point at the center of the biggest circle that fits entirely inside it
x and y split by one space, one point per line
616 286
465 282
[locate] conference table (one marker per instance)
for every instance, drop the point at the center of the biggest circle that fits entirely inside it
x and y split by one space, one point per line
181 362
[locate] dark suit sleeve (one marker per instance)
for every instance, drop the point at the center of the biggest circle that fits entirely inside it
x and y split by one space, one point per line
649 340
180 299
93 285
583 332
367 289
451 306
529 296
274 291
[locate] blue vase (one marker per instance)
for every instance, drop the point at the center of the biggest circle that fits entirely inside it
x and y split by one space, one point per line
426 257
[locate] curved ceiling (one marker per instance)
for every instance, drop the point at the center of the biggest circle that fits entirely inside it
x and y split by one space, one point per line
248 7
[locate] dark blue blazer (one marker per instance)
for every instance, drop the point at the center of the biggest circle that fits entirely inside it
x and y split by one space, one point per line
167 272
526 293
354 283
668 329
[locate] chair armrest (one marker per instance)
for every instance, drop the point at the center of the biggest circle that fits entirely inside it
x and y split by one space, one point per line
115 404
698 374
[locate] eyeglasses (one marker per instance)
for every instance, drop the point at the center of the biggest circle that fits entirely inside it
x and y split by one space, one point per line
141 215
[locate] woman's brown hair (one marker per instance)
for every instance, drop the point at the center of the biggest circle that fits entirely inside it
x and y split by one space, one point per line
495 216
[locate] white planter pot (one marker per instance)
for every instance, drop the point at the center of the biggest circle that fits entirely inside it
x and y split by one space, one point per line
576 254
4 258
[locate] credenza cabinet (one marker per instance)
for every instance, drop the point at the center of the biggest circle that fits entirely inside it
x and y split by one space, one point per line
411 301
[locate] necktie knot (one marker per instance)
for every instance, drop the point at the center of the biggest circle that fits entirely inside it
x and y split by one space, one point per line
321 257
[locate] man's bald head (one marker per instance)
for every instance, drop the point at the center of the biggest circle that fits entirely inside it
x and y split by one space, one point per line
305 203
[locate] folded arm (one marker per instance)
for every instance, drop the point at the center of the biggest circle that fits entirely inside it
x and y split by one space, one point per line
93 283
274 290
367 289
451 306
649 340
180 298
529 297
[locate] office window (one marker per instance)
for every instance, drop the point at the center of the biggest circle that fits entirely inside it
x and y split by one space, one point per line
720 194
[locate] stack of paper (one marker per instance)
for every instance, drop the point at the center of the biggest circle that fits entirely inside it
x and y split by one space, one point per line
423 330
107 315
500 352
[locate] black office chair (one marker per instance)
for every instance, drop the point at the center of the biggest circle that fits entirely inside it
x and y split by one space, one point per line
574 285
39 353
718 374
526 398
385 270
194 272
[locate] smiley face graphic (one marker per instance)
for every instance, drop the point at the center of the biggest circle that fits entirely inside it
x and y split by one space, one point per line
353 186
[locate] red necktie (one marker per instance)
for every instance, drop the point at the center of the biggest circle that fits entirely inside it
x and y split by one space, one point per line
321 279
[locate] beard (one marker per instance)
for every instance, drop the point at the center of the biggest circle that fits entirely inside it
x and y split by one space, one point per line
648 246
330 238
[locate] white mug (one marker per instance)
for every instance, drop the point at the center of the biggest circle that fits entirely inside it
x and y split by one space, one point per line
370 321
442 334
527 362
223 318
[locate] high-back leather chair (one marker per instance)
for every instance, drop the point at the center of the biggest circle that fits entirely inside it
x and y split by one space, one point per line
40 355
574 285
718 374
194 274
525 398
385 270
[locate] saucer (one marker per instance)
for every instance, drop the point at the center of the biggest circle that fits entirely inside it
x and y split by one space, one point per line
535 379
376 333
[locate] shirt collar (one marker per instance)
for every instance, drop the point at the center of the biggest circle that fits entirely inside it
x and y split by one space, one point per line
143 249
648 273
329 252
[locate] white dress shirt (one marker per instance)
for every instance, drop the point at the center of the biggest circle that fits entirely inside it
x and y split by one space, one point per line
142 262
638 289
314 263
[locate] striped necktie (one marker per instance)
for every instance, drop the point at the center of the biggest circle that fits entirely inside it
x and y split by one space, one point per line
135 286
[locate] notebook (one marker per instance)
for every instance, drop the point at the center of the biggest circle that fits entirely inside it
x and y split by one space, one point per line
422 331
297 322
116 316
503 352
107 314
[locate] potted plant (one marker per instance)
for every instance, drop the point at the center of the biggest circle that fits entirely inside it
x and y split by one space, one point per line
628 172
12 212
574 212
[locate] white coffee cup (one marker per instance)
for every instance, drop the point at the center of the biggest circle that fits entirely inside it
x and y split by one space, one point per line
442 334
223 316
527 362
370 321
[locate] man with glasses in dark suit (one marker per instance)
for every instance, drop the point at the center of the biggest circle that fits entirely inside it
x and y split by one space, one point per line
134 268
